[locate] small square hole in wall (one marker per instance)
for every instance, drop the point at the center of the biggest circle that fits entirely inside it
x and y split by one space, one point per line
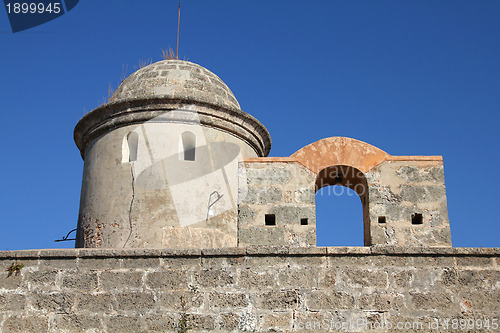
381 219
417 219
304 221
270 219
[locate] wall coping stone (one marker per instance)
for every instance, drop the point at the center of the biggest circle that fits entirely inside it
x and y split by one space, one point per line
251 251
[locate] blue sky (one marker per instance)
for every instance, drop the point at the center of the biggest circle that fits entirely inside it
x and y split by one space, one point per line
409 77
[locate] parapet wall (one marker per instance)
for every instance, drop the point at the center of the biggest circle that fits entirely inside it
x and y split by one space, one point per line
258 289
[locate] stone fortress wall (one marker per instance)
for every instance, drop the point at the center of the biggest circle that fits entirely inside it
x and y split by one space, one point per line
254 289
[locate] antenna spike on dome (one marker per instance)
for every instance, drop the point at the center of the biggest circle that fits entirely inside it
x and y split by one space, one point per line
178 26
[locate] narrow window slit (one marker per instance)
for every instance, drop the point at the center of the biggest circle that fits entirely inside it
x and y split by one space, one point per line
417 219
304 221
187 147
381 219
270 219
130 147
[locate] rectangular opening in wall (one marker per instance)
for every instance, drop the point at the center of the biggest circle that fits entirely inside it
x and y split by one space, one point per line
270 219
304 221
417 219
381 219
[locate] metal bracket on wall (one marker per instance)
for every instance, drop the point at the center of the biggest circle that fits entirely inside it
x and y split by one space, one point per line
219 196
65 238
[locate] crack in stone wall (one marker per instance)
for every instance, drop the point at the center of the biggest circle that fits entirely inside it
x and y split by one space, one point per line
131 204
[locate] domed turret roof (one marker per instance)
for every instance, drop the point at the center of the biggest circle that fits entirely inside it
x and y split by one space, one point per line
169 85
176 79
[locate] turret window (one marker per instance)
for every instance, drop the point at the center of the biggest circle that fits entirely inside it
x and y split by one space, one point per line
188 147
129 147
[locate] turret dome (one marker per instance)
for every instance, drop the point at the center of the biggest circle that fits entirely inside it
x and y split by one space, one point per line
176 79
168 85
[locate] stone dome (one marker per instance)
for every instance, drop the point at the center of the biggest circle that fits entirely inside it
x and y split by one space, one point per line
176 79
169 85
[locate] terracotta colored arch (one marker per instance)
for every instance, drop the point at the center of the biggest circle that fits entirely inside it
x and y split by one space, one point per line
340 151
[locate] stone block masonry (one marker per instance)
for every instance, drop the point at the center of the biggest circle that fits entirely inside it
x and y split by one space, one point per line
259 289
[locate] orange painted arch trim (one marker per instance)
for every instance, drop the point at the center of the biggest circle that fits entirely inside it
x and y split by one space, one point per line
341 151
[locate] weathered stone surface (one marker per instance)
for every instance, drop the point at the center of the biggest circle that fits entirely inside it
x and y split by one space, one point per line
301 261
245 214
55 263
263 195
135 301
343 260
382 301
45 280
229 321
201 322
476 301
416 174
78 323
141 262
26 324
12 302
305 196
186 79
259 262
250 279
433 260
80 281
307 250
98 263
259 289
223 261
94 303
398 191
10 282
185 263
402 279
161 323
277 301
328 278
302 277
214 277
167 279
174 300
121 323
277 322
287 214
121 280
469 261
432 301
366 278
182 237
268 176
227 300
417 194
320 300
56 302
263 236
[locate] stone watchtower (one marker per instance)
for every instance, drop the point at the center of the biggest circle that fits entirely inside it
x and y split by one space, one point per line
161 161
172 161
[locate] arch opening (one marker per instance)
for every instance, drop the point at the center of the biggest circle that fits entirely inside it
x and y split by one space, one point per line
336 189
